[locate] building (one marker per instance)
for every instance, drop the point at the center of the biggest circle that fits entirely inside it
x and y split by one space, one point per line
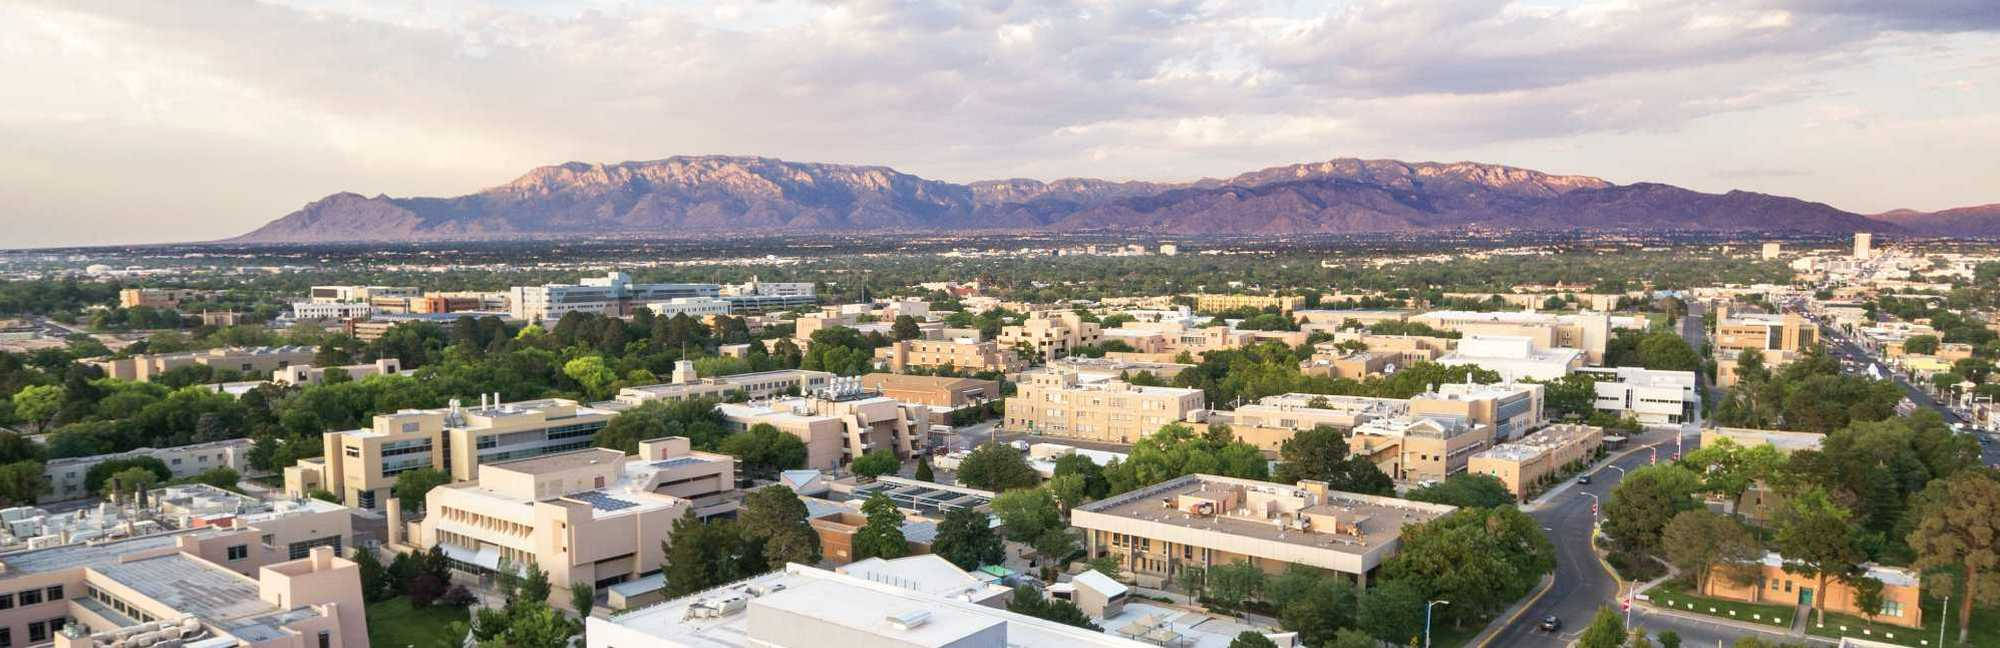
940 392
1511 409
1096 594
1759 503
1207 520
1169 249
159 297
1349 365
837 426
351 294
1779 338
1216 303
1514 357
1420 448
66 476
1772 250
612 294
1273 420
332 310
589 516
1587 331
287 527
1408 349
836 524
807 607
306 374
1526 465
1342 317
962 354
755 385
1769 583
1649 396
771 289
447 303
360 466
246 360
223 318
695 307
1864 244
1051 334
1113 365
1061 404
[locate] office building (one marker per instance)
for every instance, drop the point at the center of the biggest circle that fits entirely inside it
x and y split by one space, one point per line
1779 338
445 303
1511 409
306 374
1514 357
1273 420
1773 585
1772 250
1864 244
1587 332
612 294
590 516
350 294
1420 448
1217 303
695 307
360 466
1207 520
939 392
807 607
1407 349
1527 465
759 304
67 476
1051 334
1650 396
159 297
770 289
1348 365
755 385
838 425
246 360
960 354
1062 404
1115 365
332 310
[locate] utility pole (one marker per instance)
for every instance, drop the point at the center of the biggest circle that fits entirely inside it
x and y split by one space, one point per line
1427 620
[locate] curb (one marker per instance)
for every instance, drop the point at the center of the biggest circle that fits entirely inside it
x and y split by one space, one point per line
1494 628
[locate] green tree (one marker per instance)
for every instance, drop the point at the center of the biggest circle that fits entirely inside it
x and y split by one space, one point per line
592 374
1697 541
412 486
534 582
1251 639
222 477
1094 485
702 555
1027 512
778 516
374 577
1321 454
1030 602
1392 611
130 482
1352 638
1817 541
537 626
22 483
995 467
1959 526
1193 580
924 472
582 597
876 463
765 450
1729 470
1479 559
906 328
1465 490
1662 349
1642 504
966 538
1606 630
1670 639
882 535
1234 583
1921 344
1868 595
38 404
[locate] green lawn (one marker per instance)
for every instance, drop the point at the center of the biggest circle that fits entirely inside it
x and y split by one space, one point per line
1985 628
394 624
1671 595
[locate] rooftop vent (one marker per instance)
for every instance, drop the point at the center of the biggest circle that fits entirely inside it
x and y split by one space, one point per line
909 619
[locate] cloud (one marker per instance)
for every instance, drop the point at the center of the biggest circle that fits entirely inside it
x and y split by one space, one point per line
450 96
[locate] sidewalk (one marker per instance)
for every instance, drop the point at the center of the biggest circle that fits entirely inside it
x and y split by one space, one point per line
1511 614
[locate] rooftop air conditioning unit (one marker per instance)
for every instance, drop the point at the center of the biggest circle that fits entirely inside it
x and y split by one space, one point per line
909 619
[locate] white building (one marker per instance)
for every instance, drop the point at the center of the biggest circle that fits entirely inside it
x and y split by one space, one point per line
343 294
66 476
1648 395
612 294
771 289
696 307
331 310
1514 357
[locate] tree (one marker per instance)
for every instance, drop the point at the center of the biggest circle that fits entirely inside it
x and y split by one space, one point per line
1730 470
995 467
535 586
1670 639
1067 489
1606 630
537 626
374 577
1030 602
1234 583
1662 349
1392 611
702 555
1465 490
130 481
1921 344
1094 485
924 470
592 374
1479 559
1311 603
222 477
966 538
1351 638
1252 639
412 486
882 535
778 516
1027 513
1817 541
38 404
1697 541
1960 526
1642 504
876 463
1868 595
1321 454
765 450
906 328
582 597
22 483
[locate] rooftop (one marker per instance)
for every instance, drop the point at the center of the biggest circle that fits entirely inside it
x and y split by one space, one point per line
90 554
1366 521
559 462
1534 445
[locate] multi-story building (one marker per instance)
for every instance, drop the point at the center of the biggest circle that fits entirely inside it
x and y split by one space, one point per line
1511 409
1340 317
762 384
1760 501
346 294
440 303
248 360
1779 338
1349 365
1051 334
1111 366
1773 585
332 310
838 425
1273 420
360 466
1514 357
771 289
612 294
695 307
1526 464
1408 349
590 516
806 607
1772 250
1864 245
939 392
1420 448
1215 520
1057 403
1213 302
1587 332
67 476
962 354
306 374
158 297
1650 396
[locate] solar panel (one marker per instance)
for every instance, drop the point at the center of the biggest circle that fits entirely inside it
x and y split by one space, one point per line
602 502
678 461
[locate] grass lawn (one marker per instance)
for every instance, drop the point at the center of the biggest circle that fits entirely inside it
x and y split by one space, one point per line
394 624
1985 628
1671 595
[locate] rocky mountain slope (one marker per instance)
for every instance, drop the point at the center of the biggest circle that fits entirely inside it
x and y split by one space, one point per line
696 195
1981 220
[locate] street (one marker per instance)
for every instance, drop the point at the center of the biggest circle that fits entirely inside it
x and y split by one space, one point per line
1844 348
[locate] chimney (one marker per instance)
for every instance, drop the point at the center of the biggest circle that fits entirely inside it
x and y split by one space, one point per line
322 559
395 535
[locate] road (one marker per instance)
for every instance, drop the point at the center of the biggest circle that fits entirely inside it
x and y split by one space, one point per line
1845 348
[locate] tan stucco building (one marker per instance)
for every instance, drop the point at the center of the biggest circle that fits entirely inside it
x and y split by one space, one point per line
1523 464
1771 584
1780 338
247 360
1051 334
1218 302
961 354
1057 403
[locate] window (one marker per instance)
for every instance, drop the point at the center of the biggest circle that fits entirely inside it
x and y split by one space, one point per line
1892 608
29 597
177 461
6 637
239 552
55 592
325 639
38 632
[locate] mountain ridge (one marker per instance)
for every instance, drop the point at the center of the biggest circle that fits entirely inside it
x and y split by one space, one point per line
696 195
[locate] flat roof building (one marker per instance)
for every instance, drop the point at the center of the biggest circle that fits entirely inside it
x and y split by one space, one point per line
962 354
145 367
1526 465
1208 520
837 426
1514 357
612 294
942 392
1057 403
1587 332
67 476
1420 448
1649 395
1051 334
1273 420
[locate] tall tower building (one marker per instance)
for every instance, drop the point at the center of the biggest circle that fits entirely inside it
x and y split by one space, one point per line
1863 244
1772 250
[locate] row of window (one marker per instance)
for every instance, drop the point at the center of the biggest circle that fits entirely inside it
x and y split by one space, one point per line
29 597
38 631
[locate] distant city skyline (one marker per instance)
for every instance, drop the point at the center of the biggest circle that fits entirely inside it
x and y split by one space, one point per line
154 122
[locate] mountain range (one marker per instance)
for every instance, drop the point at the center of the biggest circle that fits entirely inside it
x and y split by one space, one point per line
701 195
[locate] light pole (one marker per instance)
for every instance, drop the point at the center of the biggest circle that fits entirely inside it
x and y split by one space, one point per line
1427 620
1593 511
1945 621
1621 471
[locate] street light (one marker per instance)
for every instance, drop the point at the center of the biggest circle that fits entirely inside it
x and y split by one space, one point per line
1620 469
1427 620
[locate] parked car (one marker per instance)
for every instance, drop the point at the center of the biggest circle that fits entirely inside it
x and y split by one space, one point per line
1583 479
1550 624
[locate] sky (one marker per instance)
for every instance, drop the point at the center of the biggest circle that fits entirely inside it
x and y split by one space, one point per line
144 121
